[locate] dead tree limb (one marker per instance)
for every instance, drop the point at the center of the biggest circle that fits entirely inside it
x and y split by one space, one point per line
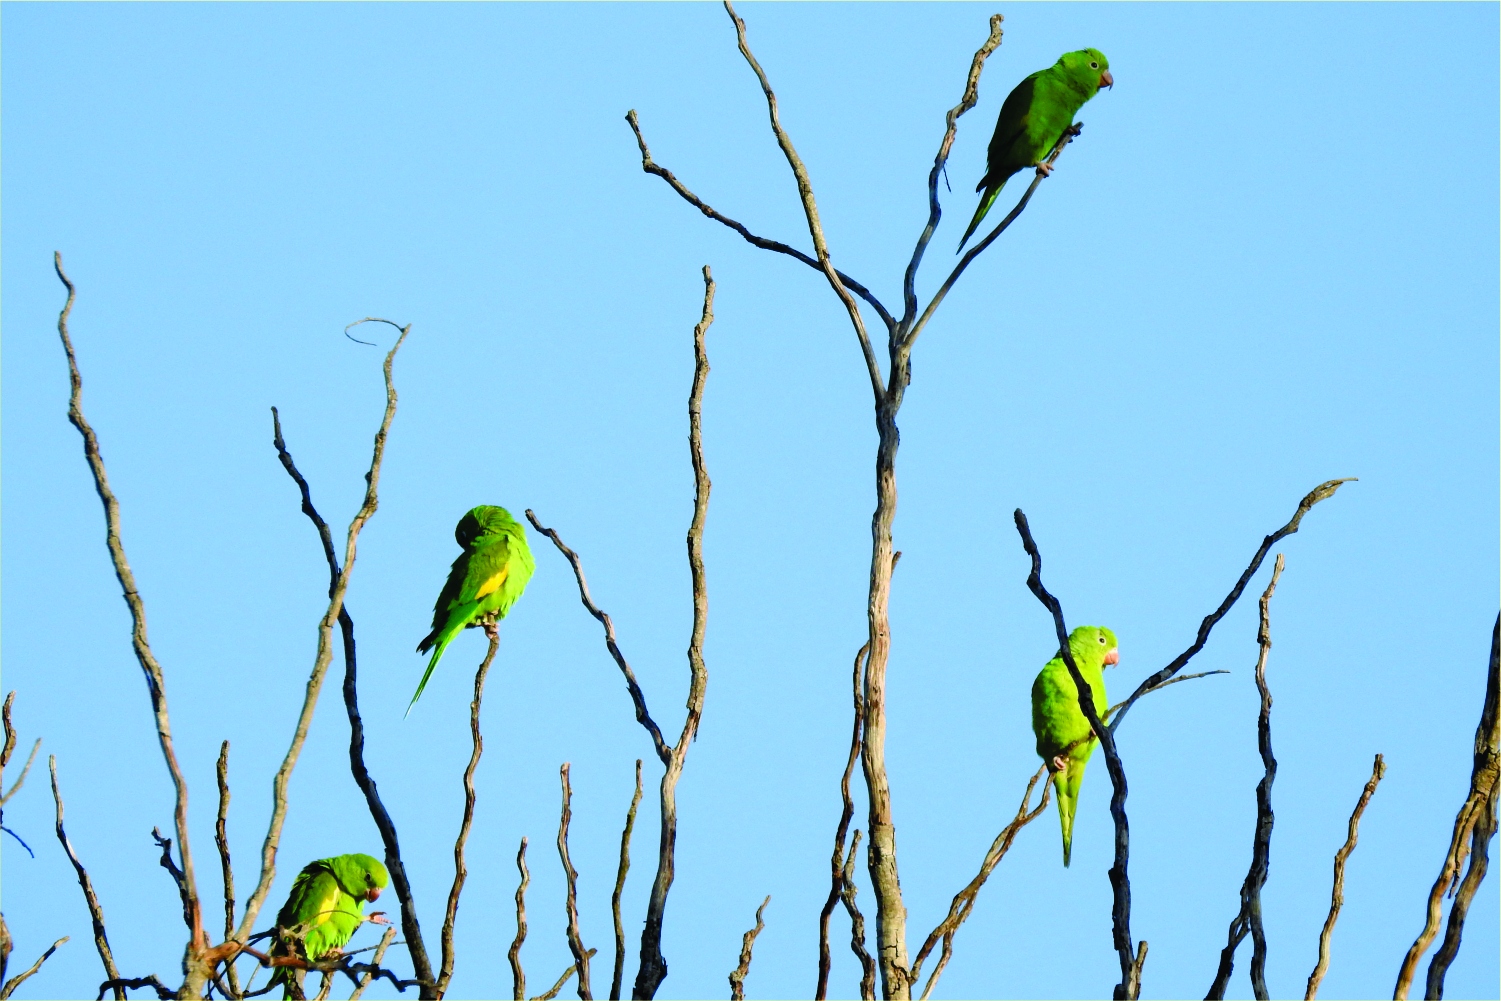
836 862
747 942
1337 897
518 975
575 943
96 913
1248 919
625 867
10 985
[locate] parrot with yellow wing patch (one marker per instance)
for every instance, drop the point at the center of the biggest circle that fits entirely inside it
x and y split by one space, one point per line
1064 739
485 581
324 909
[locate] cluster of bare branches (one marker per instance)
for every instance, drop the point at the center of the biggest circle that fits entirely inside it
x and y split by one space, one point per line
209 967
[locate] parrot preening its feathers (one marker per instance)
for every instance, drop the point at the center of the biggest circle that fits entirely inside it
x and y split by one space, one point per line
1064 739
1033 118
324 909
483 584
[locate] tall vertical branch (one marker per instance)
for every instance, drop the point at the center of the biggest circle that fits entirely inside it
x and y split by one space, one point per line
653 969
571 905
1476 822
518 975
96 913
150 667
410 927
1249 917
1337 896
625 867
221 840
460 870
325 649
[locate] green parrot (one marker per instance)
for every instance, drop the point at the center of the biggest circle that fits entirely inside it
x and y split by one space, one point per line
1058 722
323 910
485 581
1034 116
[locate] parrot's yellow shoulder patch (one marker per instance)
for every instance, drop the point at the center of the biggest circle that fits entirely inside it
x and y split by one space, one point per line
493 584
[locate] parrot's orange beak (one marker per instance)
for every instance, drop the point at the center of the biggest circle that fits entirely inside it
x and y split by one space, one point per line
1112 658
1106 80
374 892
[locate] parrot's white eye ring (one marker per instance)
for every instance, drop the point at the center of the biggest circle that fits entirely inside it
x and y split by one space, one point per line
1094 66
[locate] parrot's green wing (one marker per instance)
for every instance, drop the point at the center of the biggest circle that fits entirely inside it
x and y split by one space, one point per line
1063 734
1033 118
323 910
484 581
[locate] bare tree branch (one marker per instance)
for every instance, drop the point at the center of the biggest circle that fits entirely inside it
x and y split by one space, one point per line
1477 820
165 844
650 167
410 926
1321 492
575 943
553 991
518 975
10 744
460 870
964 900
325 649
20 978
120 985
836 862
857 922
625 867
1337 897
737 976
951 122
155 681
380 954
1249 917
96 913
221 840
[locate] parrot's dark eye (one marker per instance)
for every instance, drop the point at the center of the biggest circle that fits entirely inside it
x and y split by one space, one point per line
1102 639
1094 66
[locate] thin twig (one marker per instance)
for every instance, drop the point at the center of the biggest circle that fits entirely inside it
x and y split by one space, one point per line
380 954
1337 897
650 167
553 991
653 967
5 752
575 943
1248 919
20 978
25 770
810 208
96 913
836 862
625 867
1120 881
460 870
1476 817
325 651
847 891
737 976
951 128
1157 688
410 926
964 900
642 715
518 975
221 839
155 681
1323 491
165 844
120 985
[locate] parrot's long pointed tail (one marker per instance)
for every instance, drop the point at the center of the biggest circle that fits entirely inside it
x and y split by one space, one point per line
442 645
1068 800
974 223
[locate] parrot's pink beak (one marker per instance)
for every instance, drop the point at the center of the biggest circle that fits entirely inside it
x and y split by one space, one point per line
1112 658
1106 80
374 892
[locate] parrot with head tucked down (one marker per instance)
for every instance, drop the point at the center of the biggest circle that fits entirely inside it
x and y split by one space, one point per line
1064 739
1033 118
325 907
483 584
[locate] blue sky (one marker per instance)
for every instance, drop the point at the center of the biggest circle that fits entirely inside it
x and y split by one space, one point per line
1270 260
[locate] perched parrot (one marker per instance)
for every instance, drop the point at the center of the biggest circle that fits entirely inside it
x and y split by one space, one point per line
485 581
1058 722
323 910
1033 118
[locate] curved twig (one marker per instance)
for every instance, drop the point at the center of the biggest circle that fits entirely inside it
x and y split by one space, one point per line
96 913
150 667
747 942
20 978
575 942
625 867
847 893
518 975
836 862
552 992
